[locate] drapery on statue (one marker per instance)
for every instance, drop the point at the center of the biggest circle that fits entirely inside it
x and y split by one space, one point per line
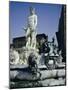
31 29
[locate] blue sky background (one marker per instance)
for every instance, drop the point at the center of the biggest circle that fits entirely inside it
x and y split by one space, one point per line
48 18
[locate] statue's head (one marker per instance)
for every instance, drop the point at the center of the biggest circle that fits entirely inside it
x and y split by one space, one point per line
32 10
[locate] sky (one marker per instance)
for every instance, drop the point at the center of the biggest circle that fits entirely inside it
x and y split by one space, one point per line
48 18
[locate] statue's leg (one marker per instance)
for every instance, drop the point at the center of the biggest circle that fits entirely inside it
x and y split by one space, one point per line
34 40
28 38
28 42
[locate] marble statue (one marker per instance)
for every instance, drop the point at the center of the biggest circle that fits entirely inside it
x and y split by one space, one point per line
31 29
13 56
30 32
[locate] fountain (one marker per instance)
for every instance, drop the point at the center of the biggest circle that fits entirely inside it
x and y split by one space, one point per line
43 64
